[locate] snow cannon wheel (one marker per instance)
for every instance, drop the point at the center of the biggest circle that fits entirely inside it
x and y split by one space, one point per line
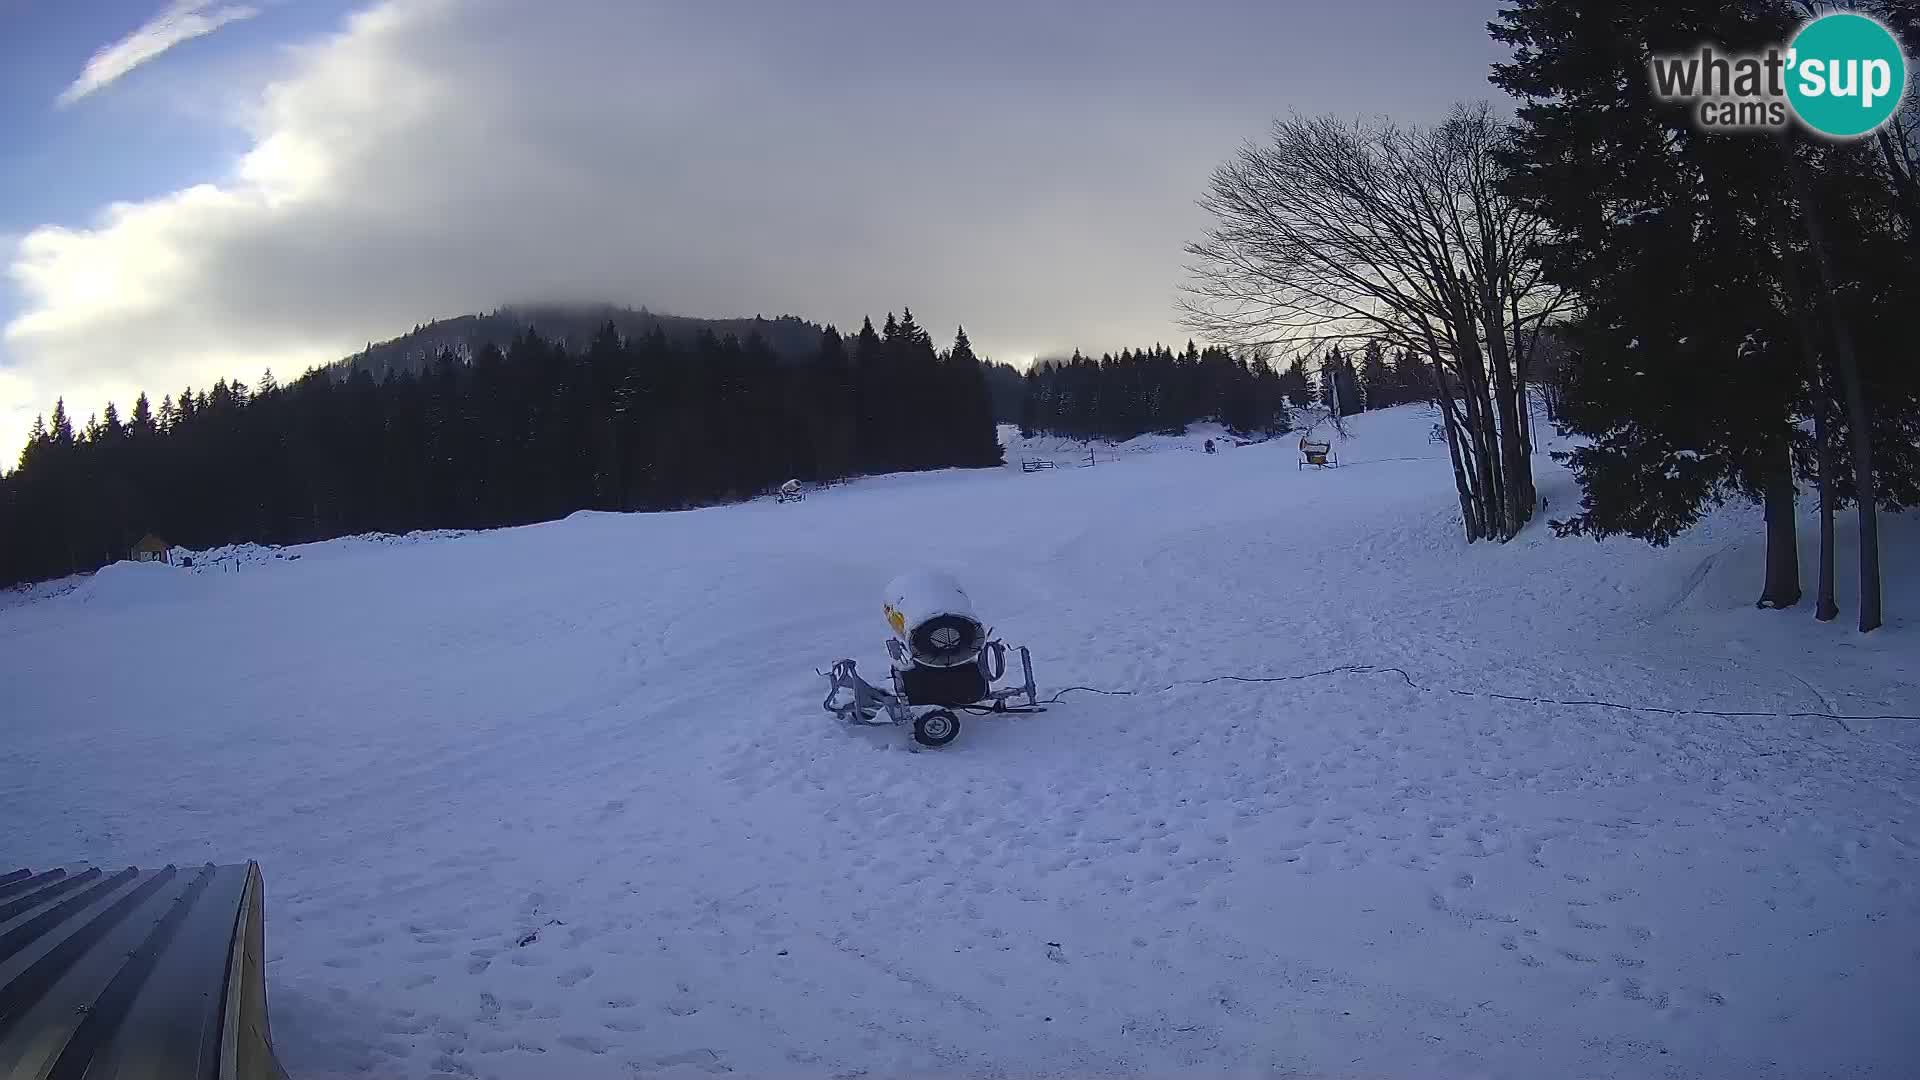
937 728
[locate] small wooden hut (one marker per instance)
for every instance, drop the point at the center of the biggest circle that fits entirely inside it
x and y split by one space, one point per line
152 549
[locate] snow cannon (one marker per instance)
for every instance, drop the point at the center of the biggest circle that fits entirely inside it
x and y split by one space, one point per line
944 661
932 619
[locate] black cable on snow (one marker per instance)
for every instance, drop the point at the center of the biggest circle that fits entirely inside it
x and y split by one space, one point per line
1381 669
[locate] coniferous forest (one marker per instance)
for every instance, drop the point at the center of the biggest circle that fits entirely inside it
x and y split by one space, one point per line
525 433
1159 390
1149 390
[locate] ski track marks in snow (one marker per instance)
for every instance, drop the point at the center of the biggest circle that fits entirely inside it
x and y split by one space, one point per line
560 801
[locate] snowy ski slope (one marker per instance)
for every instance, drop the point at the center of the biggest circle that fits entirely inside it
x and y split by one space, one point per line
559 801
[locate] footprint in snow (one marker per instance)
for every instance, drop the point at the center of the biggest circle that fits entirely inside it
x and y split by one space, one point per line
493 1044
590 1043
403 1025
702 1058
682 1003
448 1065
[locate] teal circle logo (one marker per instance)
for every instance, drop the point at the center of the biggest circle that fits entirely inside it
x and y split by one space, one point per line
1845 75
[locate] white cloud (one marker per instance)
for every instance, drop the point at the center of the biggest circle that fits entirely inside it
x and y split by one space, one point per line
436 157
182 20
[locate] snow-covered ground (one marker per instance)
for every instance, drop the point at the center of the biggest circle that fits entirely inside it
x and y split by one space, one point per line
559 801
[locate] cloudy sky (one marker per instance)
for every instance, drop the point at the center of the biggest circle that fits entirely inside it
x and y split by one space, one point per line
198 188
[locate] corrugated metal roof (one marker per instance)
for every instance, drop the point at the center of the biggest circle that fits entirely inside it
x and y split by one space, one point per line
133 975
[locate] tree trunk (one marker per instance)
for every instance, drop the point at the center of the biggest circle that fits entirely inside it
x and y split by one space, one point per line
1476 398
1783 544
1518 486
1523 352
1486 457
1859 415
1825 608
1479 452
1470 518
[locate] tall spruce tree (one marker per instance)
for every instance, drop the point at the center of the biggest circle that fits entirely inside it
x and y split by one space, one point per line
1412 378
1377 389
1339 384
1684 376
973 438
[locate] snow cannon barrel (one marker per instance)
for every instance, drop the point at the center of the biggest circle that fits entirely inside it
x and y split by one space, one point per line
930 614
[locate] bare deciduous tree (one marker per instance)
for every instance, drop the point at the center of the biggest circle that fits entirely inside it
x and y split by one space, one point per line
1331 232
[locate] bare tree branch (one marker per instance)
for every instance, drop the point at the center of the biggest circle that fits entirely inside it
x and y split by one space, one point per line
1330 233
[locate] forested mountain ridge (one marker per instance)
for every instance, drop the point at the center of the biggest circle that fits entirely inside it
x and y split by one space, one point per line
790 338
571 325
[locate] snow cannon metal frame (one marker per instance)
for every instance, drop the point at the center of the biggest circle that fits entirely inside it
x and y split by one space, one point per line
943 659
